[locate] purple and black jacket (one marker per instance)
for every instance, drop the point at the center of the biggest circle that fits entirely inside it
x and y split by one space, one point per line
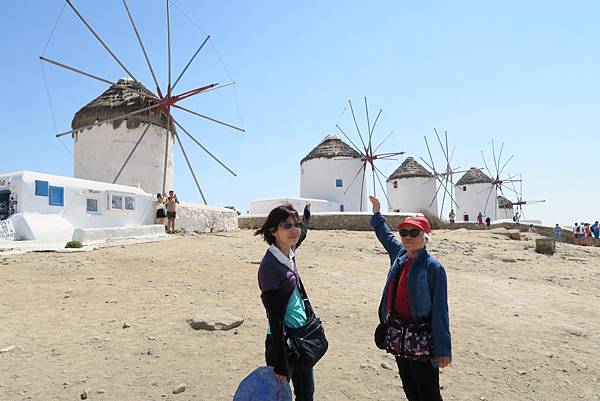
277 283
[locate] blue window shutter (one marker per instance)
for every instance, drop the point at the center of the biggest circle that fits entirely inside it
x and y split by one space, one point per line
57 196
41 188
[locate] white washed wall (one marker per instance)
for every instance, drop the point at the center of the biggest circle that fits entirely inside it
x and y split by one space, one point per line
318 181
37 219
76 193
412 195
473 200
101 151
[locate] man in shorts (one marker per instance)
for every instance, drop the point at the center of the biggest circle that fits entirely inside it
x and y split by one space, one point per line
171 203
452 218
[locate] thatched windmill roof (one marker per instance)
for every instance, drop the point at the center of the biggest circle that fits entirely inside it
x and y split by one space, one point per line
408 169
330 147
504 203
117 101
474 175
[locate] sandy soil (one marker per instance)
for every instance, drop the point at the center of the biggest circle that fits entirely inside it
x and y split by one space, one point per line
525 326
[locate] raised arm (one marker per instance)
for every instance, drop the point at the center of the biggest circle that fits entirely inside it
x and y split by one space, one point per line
305 220
384 234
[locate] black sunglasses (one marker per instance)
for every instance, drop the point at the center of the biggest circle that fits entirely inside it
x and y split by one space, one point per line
414 233
287 226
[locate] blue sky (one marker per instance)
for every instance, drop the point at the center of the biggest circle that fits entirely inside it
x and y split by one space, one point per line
522 73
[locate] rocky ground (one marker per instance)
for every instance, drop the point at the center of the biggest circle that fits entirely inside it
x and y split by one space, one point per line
113 322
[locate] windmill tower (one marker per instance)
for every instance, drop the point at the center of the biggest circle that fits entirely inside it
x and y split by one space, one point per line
505 208
471 192
102 150
411 188
109 145
327 172
368 155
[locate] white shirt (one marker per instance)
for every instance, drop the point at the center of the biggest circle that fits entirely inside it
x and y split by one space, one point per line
282 258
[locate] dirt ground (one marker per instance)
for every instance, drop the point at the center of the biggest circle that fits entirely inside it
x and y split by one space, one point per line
525 326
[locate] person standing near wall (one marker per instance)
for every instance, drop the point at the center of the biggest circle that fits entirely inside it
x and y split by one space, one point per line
161 212
452 219
596 231
557 233
480 220
171 203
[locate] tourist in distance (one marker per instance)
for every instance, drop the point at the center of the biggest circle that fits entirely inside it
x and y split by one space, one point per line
596 230
171 203
557 233
161 212
420 307
452 219
576 230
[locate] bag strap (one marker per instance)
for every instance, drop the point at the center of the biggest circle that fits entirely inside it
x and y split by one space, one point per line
304 295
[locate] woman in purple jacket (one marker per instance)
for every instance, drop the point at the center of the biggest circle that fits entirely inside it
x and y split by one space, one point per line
278 280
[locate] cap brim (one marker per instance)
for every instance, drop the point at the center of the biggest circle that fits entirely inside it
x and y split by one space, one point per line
409 224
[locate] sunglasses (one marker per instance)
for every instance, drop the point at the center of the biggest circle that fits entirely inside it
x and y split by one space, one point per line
287 226
414 233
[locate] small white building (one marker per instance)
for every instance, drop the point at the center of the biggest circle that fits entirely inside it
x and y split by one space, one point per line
101 151
36 206
51 207
328 172
474 193
411 188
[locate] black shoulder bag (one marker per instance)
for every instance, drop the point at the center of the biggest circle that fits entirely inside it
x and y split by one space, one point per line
308 343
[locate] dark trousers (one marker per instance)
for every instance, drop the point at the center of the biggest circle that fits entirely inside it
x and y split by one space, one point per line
302 379
420 380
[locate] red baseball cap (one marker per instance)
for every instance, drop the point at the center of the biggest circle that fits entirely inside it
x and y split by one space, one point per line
419 222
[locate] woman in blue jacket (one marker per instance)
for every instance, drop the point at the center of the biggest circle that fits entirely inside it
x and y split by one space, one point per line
421 296
278 279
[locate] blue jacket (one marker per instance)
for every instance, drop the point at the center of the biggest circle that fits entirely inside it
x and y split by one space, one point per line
427 287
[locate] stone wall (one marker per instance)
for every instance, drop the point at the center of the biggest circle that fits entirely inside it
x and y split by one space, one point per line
205 219
360 222
566 235
330 221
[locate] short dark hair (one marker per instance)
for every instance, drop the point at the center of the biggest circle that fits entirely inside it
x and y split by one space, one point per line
158 195
171 191
274 219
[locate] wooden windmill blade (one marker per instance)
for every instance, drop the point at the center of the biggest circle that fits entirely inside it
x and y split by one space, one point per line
162 103
368 152
444 178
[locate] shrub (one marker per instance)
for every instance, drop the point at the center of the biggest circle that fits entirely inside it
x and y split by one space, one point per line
234 209
434 221
73 244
